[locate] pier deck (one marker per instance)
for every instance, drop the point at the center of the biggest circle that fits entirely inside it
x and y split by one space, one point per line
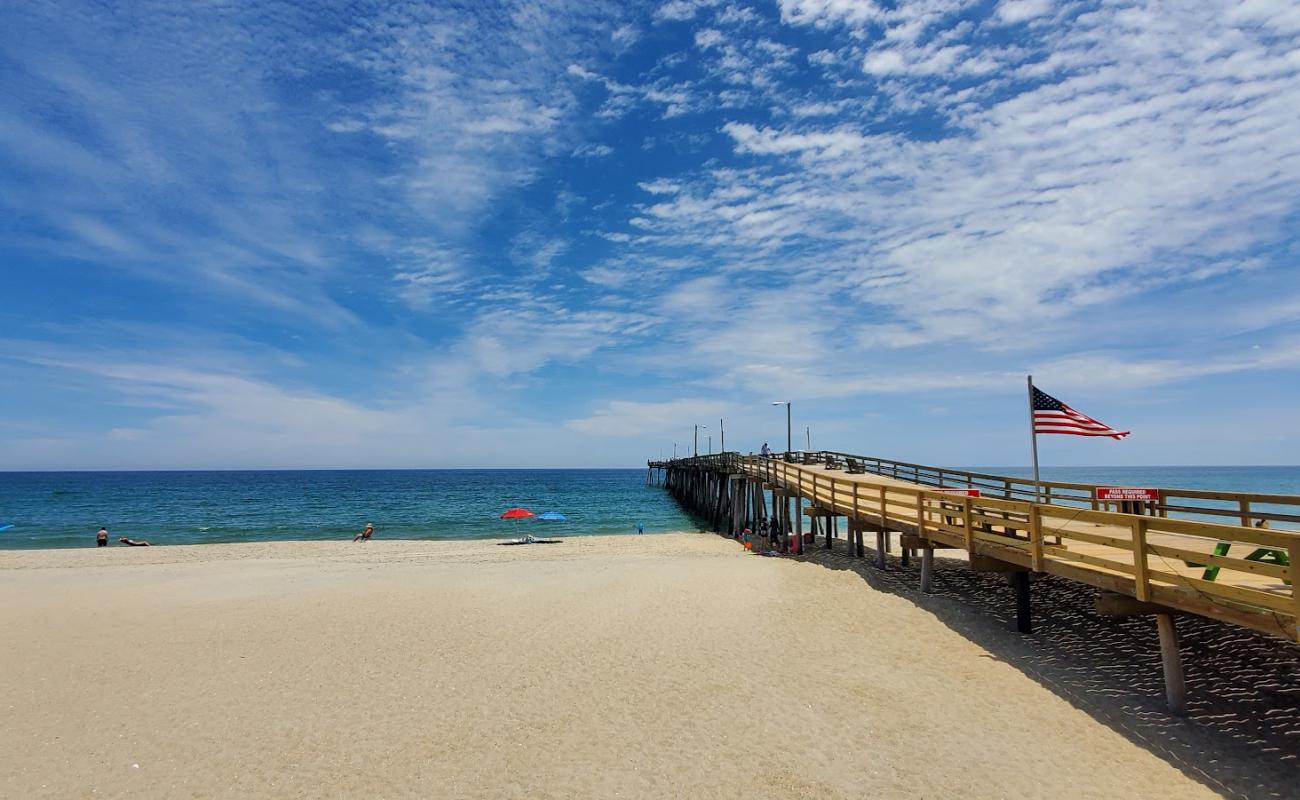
1169 559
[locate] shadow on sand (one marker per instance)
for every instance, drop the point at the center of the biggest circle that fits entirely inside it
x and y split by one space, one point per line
1241 736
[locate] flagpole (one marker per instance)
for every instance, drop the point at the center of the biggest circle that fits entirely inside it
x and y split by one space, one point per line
1033 438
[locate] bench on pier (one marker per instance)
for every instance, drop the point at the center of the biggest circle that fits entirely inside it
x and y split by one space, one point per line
854 467
833 463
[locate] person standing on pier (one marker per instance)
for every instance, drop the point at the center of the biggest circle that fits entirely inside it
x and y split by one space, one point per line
766 451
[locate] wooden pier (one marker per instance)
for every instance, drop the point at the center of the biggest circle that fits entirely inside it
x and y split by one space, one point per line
1223 555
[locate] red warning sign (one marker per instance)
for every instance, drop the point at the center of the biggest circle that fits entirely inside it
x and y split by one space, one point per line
1127 493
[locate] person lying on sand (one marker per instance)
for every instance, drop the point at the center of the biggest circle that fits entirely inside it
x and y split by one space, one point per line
133 543
366 534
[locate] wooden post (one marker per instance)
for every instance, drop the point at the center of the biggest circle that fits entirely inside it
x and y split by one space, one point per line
1293 555
880 548
1036 537
1244 506
927 568
1172 661
966 521
1141 577
1020 580
798 524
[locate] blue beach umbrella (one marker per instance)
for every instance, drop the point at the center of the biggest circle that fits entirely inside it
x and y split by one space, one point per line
553 516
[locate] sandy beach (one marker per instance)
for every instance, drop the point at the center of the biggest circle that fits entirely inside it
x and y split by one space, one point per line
655 666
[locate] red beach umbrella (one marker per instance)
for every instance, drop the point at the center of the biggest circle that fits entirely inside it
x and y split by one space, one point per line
517 513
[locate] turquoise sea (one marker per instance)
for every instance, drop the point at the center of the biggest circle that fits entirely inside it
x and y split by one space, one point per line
63 509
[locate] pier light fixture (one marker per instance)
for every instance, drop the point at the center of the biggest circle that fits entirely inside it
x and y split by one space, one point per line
789 440
697 437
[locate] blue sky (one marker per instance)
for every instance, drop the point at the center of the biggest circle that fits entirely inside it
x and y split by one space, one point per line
560 234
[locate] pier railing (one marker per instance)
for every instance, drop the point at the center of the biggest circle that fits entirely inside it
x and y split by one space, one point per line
1244 508
1247 509
1238 573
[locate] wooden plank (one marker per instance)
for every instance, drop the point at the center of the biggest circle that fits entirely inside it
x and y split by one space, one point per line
1057 551
1114 604
1008 541
1001 522
1092 538
914 541
1238 594
1227 533
955 530
1225 562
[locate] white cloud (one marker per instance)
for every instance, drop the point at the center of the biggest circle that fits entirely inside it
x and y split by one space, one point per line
708 37
1160 147
591 150
625 35
626 418
1022 10
680 10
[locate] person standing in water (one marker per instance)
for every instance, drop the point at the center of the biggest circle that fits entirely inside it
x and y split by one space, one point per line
640 528
101 537
366 534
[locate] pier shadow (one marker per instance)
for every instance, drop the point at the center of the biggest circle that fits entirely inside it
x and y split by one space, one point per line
1241 735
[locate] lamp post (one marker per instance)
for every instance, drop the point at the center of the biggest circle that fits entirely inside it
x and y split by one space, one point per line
697 438
789 440
710 444
722 431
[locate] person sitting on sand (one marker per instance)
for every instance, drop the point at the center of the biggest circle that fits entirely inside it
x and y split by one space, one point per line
133 543
101 537
366 534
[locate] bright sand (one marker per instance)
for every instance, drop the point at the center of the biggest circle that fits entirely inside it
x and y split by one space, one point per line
653 666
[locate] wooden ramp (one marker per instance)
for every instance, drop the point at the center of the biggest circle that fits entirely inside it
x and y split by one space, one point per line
1155 562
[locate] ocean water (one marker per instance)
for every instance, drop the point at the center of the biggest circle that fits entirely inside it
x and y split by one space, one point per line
64 509
1255 480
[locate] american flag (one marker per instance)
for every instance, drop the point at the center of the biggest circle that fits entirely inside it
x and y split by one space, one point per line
1053 416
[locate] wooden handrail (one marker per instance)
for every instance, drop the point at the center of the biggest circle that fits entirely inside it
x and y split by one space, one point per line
1244 507
1107 549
